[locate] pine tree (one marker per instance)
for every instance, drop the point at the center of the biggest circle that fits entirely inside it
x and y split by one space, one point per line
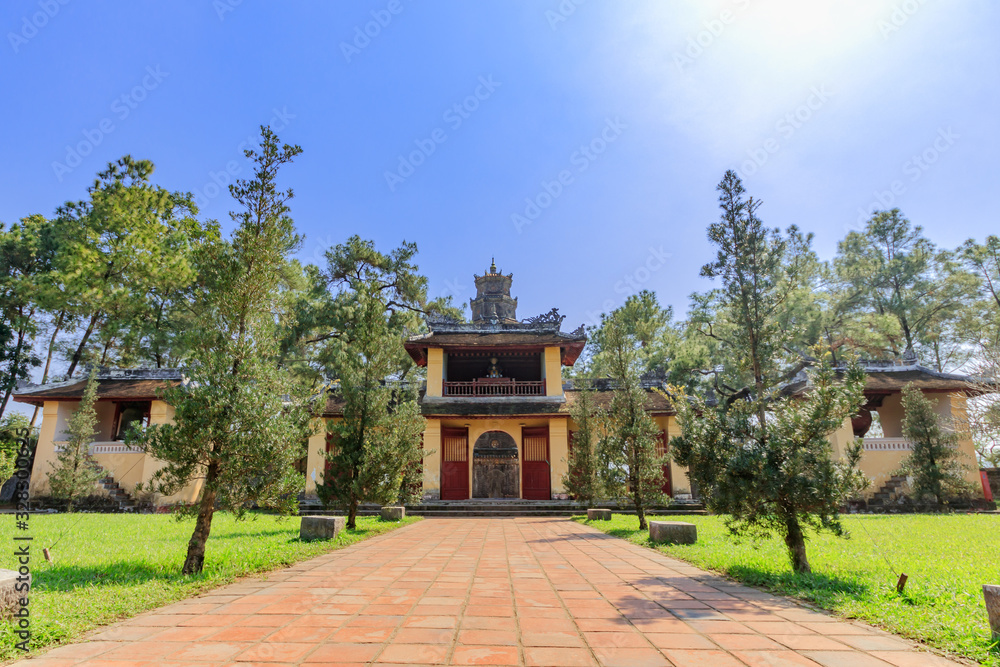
935 461
629 468
758 452
377 453
242 419
73 473
580 479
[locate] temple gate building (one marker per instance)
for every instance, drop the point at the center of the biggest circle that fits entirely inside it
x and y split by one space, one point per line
496 410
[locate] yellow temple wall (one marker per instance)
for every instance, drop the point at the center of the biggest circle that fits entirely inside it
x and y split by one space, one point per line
553 372
435 371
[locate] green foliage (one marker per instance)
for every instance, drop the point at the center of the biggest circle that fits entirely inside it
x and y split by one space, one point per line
649 323
107 567
73 473
125 254
942 604
242 419
935 460
26 255
891 269
982 323
758 452
377 455
766 480
12 426
580 480
629 469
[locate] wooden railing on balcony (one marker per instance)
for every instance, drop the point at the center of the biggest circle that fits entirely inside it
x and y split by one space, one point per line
495 387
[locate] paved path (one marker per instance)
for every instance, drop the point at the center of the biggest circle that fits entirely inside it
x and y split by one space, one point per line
533 592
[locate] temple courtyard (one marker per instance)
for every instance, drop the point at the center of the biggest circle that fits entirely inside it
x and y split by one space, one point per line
533 591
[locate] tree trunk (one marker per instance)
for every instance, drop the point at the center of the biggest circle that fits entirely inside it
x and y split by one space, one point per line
48 358
78 355
15 363
641 513
795 540
195 560
352 514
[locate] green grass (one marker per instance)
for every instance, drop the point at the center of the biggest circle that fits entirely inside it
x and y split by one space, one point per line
946 557
111 566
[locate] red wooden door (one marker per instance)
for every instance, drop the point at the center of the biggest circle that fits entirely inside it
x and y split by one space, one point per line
661 450
535 466
454 463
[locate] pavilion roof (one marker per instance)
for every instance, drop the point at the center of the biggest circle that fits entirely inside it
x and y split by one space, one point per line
543 331
113 384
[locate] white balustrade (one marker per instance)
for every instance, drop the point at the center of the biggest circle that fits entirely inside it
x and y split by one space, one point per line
112 448
887 444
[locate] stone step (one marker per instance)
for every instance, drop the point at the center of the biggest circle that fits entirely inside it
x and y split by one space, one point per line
503 509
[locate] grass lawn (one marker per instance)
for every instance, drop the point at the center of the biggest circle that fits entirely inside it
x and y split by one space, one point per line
947 558
111 566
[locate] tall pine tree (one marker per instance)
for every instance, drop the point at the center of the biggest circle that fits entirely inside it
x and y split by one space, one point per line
758 452
242 419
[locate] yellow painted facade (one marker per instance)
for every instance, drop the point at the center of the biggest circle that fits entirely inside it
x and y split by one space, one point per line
553 372
879 465
435 371
129 468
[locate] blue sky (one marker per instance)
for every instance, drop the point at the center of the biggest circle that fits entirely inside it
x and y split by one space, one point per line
587 139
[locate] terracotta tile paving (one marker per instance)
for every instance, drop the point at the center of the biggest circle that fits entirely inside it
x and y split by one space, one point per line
521 592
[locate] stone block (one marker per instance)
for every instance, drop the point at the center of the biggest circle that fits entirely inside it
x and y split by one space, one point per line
393 513
599 515
992 595
676 532
9 595
321 527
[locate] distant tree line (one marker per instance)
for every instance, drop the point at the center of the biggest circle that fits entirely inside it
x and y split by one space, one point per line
760 453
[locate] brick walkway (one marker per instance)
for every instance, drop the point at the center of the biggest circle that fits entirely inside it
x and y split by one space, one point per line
489 592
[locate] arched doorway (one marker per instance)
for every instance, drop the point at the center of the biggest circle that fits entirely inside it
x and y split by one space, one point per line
495 472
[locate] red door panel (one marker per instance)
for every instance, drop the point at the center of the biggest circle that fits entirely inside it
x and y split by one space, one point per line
454 464
537 476
661 450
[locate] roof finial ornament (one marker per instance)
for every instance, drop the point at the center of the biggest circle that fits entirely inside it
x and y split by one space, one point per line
493 265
